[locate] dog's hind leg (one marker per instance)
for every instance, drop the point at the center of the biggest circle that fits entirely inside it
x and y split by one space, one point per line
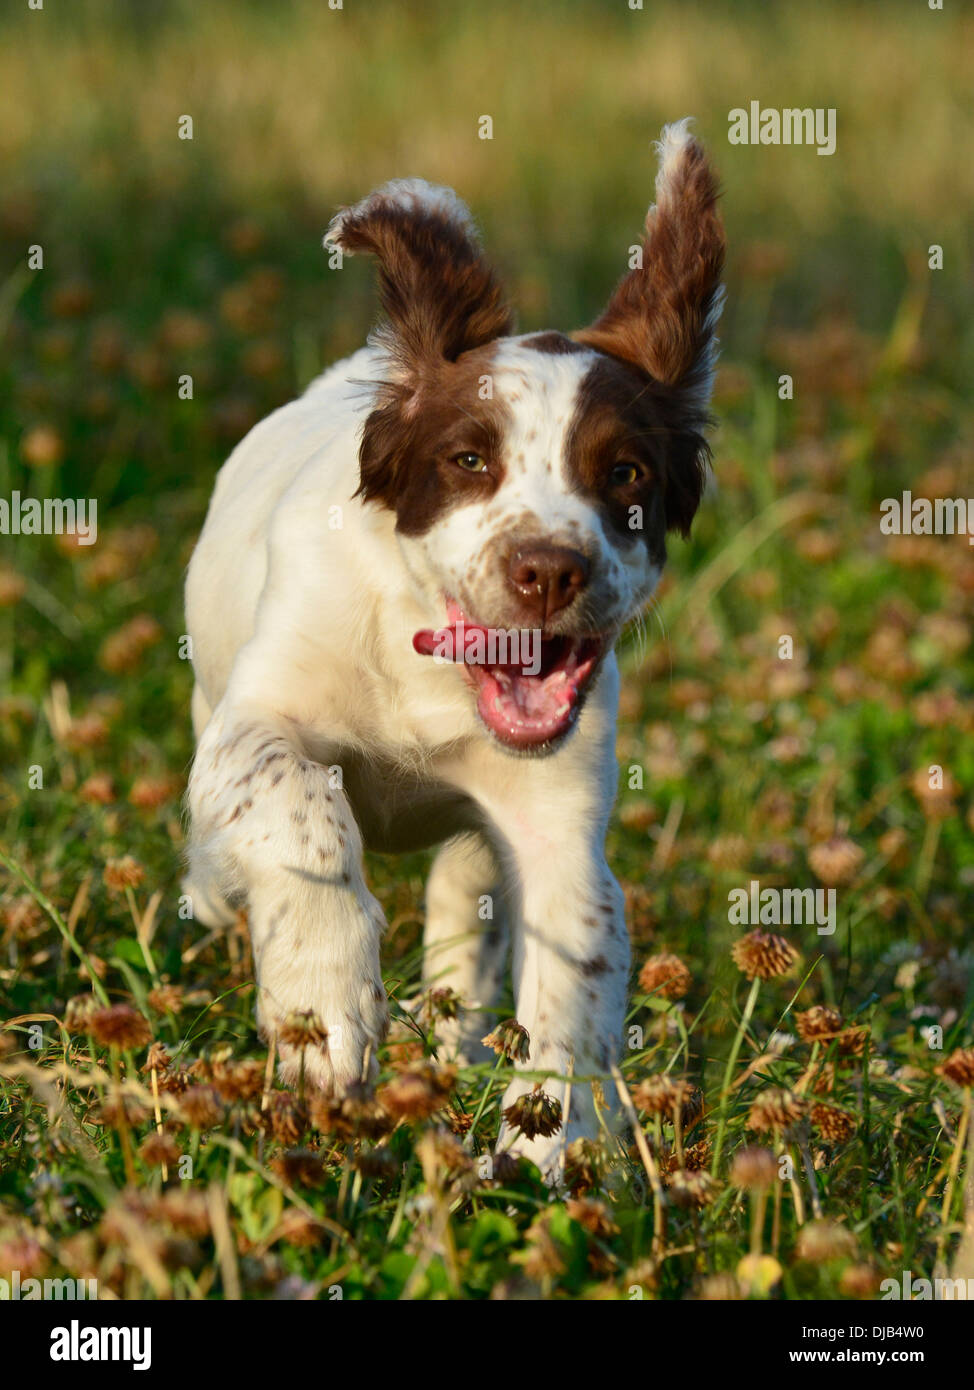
200 889
466 941
200 710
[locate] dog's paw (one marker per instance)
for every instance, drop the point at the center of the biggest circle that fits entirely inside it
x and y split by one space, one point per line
546 1153
346 1056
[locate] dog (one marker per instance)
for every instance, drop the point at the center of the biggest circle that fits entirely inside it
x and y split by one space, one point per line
403 606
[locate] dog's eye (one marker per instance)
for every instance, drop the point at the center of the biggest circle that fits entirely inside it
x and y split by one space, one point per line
625 473
470 463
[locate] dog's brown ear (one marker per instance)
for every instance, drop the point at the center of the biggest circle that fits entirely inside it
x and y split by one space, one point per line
662 316
439 294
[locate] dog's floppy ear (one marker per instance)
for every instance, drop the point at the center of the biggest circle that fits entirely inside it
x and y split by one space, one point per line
663 315
439 294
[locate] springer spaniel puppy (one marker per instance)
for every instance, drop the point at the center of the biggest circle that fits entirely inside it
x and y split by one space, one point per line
403 606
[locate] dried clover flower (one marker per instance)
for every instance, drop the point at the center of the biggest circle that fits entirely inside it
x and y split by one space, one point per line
585 1162
200 1107
356 1115
775 1109
165 999
419 1092
123 873
763 955
592 1215
287 1116
159 1149
243 1080
959 1067
184 1209
692 1189
535 1113
509 1040
836 861
120 1111
818 1024
834 1125
118 1025
754 1169
78 1011
852 1041
664 1095
380 1162
299 1167
665 974
442 1003
156 1059
505 1168
821 1241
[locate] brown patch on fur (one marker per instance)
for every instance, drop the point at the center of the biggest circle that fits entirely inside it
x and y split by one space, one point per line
619 419
555 343
407 452
440 295
598 965
445 308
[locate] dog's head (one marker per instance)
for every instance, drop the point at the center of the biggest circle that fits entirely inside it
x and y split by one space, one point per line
533 479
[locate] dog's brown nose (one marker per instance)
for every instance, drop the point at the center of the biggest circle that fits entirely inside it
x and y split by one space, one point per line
547 578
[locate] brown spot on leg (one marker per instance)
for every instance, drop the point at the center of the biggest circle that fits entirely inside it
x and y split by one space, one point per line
598 965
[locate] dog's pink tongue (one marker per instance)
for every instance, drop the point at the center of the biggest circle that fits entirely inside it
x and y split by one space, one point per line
426 641
443 641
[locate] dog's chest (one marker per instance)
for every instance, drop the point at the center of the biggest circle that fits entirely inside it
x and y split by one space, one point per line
398 809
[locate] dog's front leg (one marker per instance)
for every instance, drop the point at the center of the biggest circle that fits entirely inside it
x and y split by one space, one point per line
571 971
571 949
270 827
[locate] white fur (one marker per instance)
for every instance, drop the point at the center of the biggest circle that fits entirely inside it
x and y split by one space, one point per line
670 149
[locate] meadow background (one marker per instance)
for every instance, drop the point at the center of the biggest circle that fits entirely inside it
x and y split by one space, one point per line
164 256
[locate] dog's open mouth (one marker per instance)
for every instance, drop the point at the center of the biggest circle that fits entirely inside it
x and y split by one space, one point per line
528 686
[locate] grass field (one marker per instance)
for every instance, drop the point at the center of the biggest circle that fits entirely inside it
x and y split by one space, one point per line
150 1148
